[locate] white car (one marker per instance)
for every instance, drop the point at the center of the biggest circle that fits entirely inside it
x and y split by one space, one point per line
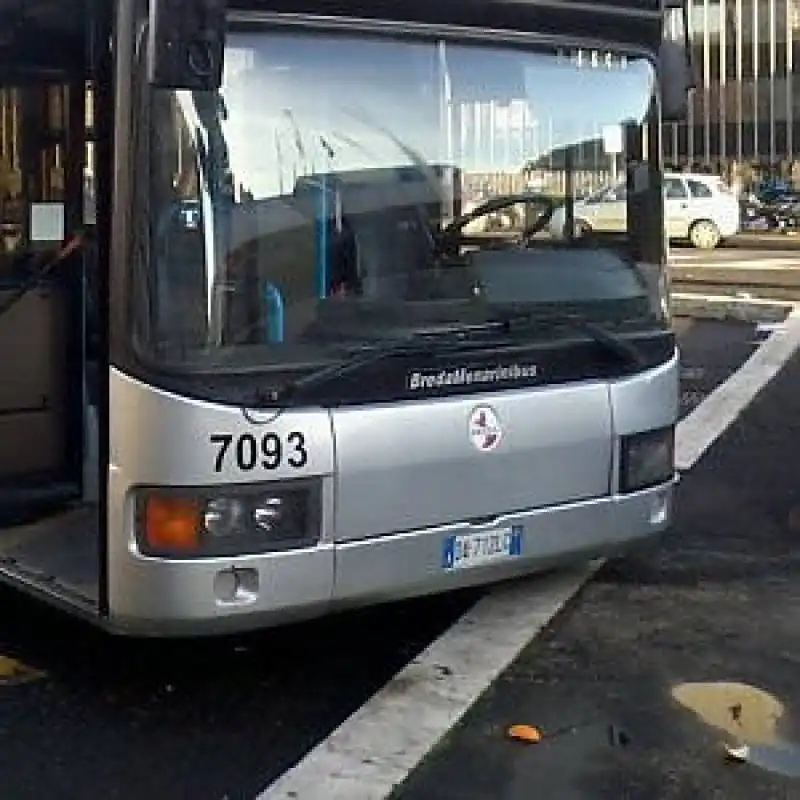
698 207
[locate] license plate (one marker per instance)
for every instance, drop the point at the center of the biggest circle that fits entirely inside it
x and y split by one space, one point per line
476 549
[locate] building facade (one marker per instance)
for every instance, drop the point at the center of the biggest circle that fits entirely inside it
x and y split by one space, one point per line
744 121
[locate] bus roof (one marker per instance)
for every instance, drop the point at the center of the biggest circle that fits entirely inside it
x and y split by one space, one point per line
512 14
25 39
634 23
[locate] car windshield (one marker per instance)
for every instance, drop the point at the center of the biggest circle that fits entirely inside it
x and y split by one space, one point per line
343 189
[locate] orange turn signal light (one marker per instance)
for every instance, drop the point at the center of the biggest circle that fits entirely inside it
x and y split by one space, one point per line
172 523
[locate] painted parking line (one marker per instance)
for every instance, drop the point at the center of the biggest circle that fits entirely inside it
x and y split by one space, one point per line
741 263
376 748
724 405
749 262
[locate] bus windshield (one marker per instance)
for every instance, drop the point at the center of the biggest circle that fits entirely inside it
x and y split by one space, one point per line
347 189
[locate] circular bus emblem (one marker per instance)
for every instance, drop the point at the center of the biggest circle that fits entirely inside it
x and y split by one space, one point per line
485 429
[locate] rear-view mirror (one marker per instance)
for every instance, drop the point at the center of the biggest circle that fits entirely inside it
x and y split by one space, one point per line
186 44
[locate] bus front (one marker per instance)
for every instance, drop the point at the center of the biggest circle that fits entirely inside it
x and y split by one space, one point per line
389 316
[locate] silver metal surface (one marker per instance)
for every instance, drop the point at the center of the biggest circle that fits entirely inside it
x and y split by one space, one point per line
411 468
413 465
393 567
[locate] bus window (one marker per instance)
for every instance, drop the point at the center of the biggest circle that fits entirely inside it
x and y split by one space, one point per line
314 183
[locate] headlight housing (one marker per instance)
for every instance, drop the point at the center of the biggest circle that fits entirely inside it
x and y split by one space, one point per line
647 459
228 521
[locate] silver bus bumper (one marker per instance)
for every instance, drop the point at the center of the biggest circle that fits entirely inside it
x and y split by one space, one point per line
162 597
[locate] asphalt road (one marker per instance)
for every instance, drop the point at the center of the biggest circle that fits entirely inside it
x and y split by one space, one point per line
742 274
660 662
221 719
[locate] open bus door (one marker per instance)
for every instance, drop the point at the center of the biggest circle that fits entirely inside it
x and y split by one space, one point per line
53 363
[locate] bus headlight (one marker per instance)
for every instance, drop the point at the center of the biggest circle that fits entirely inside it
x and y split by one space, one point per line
224 516
647 459
230 521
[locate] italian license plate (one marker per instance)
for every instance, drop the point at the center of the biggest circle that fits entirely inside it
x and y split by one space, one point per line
477 549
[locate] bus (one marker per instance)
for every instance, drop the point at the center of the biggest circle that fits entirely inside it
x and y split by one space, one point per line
282 329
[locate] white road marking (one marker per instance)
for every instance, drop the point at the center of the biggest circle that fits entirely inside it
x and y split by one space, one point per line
770 327
760 263
764 262
698 431
789 305
376 748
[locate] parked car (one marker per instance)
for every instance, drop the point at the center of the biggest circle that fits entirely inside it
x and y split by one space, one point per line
698 207
771 210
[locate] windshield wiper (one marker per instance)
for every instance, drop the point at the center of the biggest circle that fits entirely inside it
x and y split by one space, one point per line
599 334
417 341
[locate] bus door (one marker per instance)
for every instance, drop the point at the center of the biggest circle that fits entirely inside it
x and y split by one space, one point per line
50 342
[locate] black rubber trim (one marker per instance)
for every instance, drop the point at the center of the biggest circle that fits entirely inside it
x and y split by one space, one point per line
567 360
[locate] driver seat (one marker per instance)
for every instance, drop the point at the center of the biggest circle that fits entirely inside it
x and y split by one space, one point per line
392 243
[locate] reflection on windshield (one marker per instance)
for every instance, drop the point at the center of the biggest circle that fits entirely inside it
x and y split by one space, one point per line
343 190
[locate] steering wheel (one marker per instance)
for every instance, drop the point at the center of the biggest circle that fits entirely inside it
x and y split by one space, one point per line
541 222
453 232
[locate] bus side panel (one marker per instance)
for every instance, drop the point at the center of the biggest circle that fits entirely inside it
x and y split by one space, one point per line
158 439
647 402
